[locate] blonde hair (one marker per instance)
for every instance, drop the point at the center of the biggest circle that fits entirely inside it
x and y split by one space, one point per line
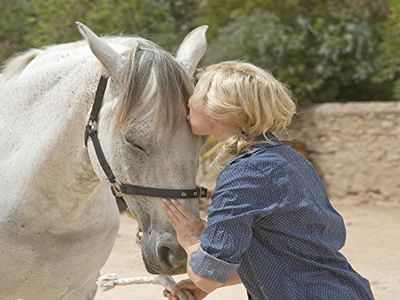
247 97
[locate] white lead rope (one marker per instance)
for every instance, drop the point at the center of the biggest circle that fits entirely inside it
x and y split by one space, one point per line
110 280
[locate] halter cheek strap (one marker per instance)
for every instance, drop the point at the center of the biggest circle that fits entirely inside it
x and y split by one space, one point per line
119 189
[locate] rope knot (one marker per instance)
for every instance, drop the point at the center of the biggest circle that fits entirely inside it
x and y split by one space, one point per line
107 281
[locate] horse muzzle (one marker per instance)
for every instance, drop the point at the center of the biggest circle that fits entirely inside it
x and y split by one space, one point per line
168 256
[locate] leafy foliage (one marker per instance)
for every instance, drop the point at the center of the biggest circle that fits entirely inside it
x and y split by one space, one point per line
389 60
335 50
35 23
325 52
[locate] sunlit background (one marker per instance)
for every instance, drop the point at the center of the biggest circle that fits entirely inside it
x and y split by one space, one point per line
338 50
341 59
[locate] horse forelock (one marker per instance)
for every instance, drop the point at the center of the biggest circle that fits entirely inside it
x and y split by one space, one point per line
156 87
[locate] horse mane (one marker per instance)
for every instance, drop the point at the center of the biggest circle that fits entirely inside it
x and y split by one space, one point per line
155 86
15 65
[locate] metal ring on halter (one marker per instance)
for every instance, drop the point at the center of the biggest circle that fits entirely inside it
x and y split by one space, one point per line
92 124
117 188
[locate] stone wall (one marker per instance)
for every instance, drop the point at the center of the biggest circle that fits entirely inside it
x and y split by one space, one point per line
355 148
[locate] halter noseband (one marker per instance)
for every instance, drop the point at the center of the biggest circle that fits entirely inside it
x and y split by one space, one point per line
119 189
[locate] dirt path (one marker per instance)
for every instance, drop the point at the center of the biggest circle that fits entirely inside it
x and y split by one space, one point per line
373 243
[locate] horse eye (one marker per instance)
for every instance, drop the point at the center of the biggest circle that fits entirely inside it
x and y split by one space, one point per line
134 145
140 148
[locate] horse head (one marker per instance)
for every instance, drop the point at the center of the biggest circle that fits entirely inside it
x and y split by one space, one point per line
144 134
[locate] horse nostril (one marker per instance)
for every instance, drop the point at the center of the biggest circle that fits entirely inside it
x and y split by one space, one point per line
164 254
171 255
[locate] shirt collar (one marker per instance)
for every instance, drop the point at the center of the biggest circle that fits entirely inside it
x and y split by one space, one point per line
273 140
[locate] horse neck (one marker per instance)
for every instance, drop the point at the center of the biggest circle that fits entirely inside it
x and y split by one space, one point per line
67 158
64 171
59 166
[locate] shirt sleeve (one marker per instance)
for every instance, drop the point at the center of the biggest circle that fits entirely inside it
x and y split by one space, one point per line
243 192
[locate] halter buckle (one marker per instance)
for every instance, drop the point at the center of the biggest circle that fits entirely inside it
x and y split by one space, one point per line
202 192
91 125
116 186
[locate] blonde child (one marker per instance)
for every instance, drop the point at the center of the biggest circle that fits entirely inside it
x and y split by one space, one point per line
270 224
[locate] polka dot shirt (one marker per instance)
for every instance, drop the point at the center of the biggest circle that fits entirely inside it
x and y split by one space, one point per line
271 221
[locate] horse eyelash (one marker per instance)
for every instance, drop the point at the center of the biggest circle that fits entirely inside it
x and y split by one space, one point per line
136 146
139 147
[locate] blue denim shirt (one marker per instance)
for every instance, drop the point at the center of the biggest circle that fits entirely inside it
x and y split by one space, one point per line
271 221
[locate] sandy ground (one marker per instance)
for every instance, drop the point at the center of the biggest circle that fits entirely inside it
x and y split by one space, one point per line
372 247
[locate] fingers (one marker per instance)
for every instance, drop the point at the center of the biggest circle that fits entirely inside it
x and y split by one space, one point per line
169 295
187 214
179 215
184 284
175 211
187 293
178 209
171 213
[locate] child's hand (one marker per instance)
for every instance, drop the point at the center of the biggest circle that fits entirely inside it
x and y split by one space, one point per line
187 226
186 286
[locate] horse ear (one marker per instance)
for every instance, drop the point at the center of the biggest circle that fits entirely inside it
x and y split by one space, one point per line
111 60
192 49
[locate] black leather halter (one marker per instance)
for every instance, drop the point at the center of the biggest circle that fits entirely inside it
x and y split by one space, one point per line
118 188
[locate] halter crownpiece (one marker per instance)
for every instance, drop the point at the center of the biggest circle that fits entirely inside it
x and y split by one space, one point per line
119 189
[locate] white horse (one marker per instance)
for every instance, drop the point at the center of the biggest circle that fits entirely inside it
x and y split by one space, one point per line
58 219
